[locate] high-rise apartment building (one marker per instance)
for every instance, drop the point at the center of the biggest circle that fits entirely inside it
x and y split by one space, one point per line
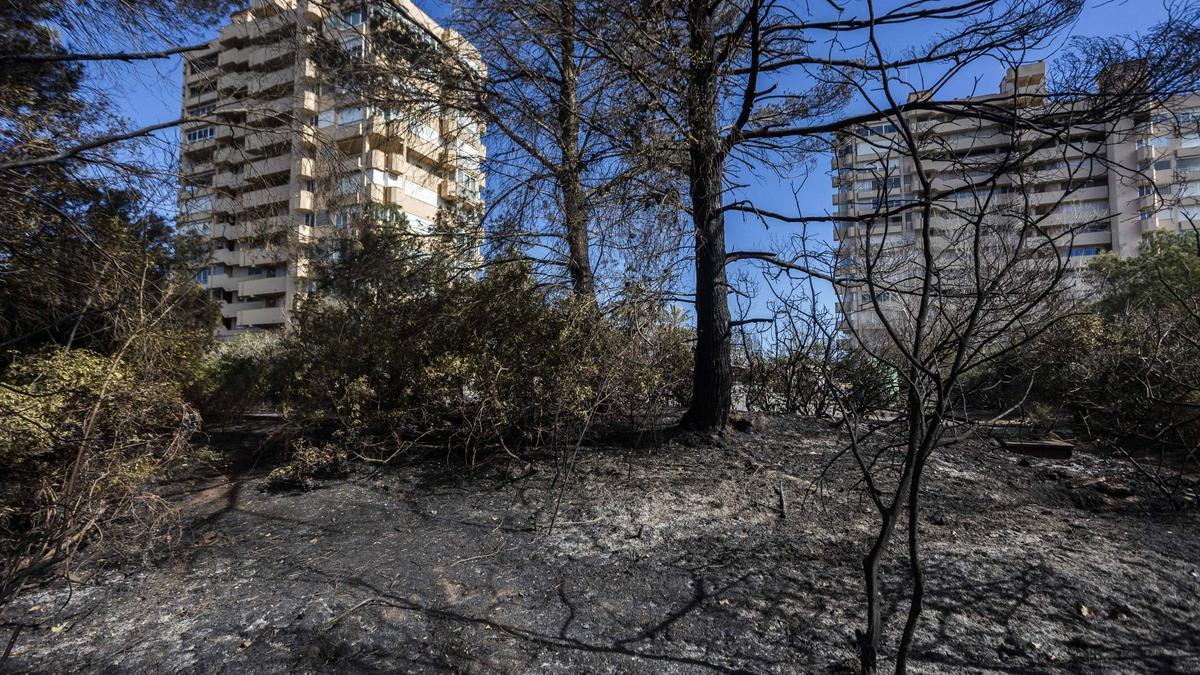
279 157
1094 189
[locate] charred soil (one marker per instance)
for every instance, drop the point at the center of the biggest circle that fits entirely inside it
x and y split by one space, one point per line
694 555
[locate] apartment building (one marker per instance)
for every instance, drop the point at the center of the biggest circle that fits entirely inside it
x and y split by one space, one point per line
276 159
1093 190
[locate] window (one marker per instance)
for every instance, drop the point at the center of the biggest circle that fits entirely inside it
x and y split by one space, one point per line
198 110
355 17
196 135
353 46
325 119
419 225
420 193
1145 214
350 184
310 185
1081 251
350 115
426 133
310 219
254 271
1189 164
202 90
202 276
198 204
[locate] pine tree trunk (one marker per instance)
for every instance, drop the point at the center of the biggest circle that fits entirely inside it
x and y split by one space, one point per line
712 378
575 224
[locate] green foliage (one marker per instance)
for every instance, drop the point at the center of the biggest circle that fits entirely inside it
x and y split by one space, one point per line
236 376
99 314
867 384
403 340
1126 372
82 437
1163 277
307 464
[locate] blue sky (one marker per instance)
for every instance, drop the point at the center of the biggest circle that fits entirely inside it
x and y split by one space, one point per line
149 92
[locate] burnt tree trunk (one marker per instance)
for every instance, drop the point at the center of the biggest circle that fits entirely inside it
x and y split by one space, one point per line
712 375
575 223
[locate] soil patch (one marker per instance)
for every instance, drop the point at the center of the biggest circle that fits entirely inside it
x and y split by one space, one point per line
666 559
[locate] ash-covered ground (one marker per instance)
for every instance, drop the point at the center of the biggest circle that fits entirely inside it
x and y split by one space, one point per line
666 559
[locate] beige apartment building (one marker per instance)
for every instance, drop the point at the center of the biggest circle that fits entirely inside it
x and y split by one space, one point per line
1103 189
277 160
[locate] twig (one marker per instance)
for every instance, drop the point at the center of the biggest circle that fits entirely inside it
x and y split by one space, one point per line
782 500
346 613
479 557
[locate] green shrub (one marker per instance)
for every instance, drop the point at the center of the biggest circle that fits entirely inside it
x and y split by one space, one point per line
82 438
237 376
400 341
307 464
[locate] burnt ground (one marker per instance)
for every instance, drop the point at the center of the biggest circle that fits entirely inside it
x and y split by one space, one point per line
663 560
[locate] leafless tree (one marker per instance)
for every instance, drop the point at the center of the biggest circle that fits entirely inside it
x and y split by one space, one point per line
984 265
954 256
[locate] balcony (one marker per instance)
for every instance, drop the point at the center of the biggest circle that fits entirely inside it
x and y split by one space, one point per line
302 201
307 135
268 7
222 282
199 148
1149 153
305 167
265 316
347 131
233 81
257 27
1092 238
259 141
227 179
223 256
314 10
265 196
271 53
225 204
272 80
278 108
201 97
307 101
269 166
262 256
263 286
428 150
234 58
228 155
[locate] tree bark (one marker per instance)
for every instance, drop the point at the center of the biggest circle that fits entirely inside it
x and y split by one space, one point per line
575 222
712 376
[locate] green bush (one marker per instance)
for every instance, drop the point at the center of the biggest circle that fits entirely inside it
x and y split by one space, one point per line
82 438
307 464
236 376
401 341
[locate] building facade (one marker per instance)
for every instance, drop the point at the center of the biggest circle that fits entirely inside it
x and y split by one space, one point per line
1094 189
276 157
